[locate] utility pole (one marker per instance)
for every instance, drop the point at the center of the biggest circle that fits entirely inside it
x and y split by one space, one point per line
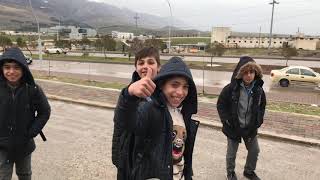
136 17
271 25
58 29
170 24
259 37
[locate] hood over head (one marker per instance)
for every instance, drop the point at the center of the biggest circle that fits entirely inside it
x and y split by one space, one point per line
176 67
16 55
243 60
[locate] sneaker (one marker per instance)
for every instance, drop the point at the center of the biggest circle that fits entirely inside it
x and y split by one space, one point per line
251 176
232 176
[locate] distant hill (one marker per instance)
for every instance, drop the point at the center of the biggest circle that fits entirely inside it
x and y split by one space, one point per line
16 14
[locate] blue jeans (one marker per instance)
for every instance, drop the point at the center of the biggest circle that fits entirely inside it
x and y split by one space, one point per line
23 167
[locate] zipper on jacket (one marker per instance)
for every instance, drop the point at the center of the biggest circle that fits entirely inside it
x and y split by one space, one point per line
245 117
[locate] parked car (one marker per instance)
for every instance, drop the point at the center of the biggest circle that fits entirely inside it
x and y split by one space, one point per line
28 58
295 75
55 51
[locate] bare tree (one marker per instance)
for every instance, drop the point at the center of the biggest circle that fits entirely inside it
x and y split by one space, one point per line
288 52
216 49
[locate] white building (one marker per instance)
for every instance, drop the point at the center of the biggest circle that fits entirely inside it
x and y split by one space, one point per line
122 35
225 36
17 33
73 32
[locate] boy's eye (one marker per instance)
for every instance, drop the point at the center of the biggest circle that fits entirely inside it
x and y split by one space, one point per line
150 62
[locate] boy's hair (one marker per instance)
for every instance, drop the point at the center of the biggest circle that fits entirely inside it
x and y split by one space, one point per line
248 67
164 81
9 61
147 52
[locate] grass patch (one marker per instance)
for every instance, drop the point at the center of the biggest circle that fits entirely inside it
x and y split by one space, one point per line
190 40
210 96
274 106
61 57
294 108
113 85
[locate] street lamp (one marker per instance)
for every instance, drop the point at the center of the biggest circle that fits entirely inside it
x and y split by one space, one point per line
170 25
39 39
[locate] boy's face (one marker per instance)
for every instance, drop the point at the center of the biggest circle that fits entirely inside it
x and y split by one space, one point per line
143 64
12 72
248 77
175 90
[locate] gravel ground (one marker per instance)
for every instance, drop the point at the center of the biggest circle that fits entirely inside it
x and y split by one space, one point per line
79 148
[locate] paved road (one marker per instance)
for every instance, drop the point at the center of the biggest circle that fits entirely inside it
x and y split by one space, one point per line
281 62
79 148
212 78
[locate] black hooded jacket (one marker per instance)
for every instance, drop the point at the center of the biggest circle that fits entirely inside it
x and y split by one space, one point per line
18 122
119 132
151 124
227 106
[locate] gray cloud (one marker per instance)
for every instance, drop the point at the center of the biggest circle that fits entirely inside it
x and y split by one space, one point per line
241 15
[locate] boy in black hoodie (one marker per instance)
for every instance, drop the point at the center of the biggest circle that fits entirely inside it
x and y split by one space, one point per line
24 111
156 123
141 87
241 107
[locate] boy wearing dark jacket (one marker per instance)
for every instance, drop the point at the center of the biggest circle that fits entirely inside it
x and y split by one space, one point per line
241 107
164 133
24 111
141 86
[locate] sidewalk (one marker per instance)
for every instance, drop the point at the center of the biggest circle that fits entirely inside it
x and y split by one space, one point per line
292 127
278 94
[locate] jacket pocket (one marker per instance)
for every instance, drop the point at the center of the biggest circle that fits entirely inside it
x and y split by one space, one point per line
4 143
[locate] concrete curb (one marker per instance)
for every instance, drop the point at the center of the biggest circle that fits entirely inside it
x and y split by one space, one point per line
203 122
78 85
270 135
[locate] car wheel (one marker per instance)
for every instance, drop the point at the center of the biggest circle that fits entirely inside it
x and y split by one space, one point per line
284 83
58 52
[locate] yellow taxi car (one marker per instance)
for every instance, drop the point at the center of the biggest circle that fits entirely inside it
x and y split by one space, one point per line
295 75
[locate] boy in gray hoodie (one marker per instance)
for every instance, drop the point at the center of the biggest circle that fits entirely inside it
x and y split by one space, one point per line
241 107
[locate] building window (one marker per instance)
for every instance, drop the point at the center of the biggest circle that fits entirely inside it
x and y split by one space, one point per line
234 41
280 42
274 42
228 41
245 41
311 38
221 41
257 42
262 42
250 41
239 41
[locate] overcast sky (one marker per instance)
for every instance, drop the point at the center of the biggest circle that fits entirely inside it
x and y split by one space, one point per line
241 15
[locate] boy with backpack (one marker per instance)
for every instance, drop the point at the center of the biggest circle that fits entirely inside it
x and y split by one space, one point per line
24 111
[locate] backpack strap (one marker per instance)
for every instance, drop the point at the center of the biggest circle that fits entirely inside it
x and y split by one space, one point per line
31 92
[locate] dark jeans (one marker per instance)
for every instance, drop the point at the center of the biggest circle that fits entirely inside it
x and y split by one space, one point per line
252 156
23 167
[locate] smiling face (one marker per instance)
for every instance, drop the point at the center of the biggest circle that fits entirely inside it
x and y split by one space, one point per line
175 90
143 64
12 72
